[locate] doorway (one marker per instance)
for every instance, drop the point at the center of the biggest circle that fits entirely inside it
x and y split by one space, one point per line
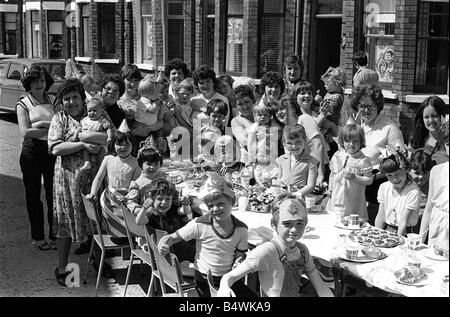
327 48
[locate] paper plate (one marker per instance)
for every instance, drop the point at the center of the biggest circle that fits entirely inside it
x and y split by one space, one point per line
429 253
424 281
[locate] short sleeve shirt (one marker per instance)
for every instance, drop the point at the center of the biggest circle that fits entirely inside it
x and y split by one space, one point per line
296 171
265 259
395 204
213 251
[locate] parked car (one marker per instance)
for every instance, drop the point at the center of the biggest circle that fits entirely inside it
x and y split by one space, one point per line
12 71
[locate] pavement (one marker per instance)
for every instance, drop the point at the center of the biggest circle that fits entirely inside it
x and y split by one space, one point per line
26 271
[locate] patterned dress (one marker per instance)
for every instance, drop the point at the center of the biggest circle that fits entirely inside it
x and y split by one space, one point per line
70 219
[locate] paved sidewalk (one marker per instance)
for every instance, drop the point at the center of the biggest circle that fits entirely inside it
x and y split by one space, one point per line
26 270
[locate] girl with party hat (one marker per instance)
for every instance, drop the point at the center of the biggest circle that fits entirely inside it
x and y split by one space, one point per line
120 169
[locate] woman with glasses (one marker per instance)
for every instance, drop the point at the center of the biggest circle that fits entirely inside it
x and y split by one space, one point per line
111 88
367 102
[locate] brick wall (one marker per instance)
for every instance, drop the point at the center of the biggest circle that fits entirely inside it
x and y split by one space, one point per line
289 28
250 35
200 8
348 27
157 27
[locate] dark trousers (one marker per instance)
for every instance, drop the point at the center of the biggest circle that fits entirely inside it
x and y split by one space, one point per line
239 288
371 198
35 163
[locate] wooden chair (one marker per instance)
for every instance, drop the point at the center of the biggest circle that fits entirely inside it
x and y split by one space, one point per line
103 240
212 289
137 253
170 273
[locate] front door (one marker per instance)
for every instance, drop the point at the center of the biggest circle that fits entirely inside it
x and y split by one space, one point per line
328 48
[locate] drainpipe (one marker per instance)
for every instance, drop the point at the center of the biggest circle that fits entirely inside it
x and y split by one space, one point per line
164 30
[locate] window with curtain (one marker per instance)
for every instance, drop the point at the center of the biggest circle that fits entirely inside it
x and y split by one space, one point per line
233 58
148 39
272 36
379 25
36 34
175 30
10 33
107 34
55 29
432 48
85 10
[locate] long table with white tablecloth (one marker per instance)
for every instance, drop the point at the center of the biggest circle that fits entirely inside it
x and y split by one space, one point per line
324 240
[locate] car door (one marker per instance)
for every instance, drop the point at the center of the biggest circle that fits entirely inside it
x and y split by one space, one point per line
12 85
3 69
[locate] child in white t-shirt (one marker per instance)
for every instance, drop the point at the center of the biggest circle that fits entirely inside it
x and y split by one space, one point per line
399 197
221 239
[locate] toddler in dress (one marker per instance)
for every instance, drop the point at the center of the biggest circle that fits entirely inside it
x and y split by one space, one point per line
351 171
96 121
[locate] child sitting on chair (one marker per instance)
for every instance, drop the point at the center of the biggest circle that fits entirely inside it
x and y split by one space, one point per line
169 214
221 239
96 121
281 261
139 195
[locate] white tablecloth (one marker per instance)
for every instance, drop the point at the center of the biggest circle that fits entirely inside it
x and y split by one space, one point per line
323 241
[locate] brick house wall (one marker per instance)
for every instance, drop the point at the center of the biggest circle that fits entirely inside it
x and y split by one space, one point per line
289 28
200 16
220 32
250 34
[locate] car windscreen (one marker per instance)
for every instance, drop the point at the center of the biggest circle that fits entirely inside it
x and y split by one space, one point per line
56 70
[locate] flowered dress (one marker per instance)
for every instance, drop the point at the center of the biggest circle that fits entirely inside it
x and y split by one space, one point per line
70 219
348 192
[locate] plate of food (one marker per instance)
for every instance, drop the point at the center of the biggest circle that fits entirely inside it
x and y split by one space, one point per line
411 276
343 224
435 254
364 255
371 236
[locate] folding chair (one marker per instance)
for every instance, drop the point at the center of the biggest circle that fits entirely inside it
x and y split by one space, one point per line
145 256
212 289
103 240
170 274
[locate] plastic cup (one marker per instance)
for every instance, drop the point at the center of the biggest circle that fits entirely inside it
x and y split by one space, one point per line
339 211
413 240
310 201
351 251
353 221
242 203
413 261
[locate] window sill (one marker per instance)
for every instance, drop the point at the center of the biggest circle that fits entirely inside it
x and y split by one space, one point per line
146 66
421 98
387 94
106 61
83 59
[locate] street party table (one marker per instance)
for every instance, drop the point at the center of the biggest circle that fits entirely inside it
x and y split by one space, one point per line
324 240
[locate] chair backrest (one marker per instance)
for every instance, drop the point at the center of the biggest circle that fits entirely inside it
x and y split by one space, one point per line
131 227
169 269
130 223
212 289
92 215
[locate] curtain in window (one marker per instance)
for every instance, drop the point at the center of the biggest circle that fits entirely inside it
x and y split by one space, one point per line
272 43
